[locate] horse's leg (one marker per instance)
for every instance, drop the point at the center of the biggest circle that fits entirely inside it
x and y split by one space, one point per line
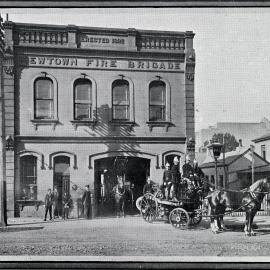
222 225
252 215
117 202
247 226
213 220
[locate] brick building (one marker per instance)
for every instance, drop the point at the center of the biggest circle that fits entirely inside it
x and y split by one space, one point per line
83 104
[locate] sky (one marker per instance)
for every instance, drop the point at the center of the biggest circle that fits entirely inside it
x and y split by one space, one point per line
232 82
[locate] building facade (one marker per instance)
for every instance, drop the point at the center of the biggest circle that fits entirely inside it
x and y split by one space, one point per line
83 105
262 146
244 131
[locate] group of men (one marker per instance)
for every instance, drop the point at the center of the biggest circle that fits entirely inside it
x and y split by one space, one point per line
53 204
172 178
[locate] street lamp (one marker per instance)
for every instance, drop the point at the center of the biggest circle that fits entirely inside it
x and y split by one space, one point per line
215 148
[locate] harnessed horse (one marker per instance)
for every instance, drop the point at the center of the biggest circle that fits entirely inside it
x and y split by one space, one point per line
119 193
248 200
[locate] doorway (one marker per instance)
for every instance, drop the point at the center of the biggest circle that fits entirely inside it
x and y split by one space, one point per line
61 178
134 171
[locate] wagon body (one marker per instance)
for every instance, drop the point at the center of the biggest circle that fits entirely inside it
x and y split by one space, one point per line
181 213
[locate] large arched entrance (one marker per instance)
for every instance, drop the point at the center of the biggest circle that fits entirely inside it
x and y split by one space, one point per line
134 171
61 177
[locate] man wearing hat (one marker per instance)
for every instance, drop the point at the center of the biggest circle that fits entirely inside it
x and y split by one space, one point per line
86 201
176 175
167 181
188 170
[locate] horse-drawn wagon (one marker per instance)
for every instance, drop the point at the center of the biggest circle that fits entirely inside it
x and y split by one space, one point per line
183 212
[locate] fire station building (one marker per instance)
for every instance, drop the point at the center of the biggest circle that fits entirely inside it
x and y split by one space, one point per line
81 105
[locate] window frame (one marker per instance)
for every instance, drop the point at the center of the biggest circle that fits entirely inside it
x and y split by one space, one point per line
127 105
263 151
90 103
163 105
23 183
51 99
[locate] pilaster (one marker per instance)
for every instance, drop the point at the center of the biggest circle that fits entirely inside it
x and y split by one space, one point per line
189 91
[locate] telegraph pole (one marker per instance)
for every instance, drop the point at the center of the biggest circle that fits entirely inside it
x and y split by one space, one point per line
252 162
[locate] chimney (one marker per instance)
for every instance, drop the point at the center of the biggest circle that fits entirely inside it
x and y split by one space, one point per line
240 143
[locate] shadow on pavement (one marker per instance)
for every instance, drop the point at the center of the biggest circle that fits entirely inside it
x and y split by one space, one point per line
19 229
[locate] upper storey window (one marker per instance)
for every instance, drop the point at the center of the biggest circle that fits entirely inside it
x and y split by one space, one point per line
157 101
82 99
44 99
120 100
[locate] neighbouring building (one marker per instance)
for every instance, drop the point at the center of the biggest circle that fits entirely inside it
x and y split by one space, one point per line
83 105
262 145
235 170
244 131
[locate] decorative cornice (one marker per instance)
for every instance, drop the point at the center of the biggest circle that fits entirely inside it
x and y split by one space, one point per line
111 139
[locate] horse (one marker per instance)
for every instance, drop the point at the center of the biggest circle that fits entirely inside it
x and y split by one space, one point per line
249 200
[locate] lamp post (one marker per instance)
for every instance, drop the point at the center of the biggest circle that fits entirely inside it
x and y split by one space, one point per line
216 148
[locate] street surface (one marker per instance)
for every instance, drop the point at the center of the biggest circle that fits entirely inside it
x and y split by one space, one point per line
131 236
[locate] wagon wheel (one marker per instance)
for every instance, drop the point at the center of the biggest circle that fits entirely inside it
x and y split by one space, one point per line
195 217
179 218
149 207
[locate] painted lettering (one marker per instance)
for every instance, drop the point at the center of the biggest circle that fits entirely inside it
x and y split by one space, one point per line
104 63
89 62
177 66
162 66
32 60
155 65
170 65
50 59
131 64
140 64
113 63
73 62
57 61
41 60
65 61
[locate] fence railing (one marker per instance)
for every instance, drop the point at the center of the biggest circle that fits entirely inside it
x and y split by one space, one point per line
264 211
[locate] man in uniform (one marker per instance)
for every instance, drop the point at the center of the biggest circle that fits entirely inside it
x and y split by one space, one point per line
148 187
176 175
188 170
86 201
198 174
167 181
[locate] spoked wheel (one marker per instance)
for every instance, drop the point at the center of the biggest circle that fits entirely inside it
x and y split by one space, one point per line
149 207
179 218
195 217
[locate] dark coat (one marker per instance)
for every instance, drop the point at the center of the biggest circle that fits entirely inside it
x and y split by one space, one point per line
175 174
48 200
167 177
187 170
86 198
67 201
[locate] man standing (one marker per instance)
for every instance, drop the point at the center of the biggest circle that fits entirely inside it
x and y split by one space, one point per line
148 187
167 181
55 203
86 201
48 204
176 175
198 174
188 171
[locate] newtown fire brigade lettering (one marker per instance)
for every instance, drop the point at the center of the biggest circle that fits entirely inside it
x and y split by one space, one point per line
97 63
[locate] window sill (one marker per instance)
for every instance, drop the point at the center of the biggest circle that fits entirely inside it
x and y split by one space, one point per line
164 124
42 122
128 124
90 123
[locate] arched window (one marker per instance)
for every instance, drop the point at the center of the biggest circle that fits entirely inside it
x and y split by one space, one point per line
44 99
28 173
82 99
120 100
157 101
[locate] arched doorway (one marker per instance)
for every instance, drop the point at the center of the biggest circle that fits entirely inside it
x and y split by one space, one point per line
61 177
134 171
